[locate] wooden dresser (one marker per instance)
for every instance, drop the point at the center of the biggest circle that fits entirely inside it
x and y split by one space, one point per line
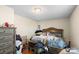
7 40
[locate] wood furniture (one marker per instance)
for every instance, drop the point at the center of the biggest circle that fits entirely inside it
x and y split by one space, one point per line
55 31
7 40
52 50
28 48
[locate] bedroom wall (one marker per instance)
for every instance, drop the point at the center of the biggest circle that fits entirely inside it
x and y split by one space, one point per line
57 23
25 26
6 15
75 28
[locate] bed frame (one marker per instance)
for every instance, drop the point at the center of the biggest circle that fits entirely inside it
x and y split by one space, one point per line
55 31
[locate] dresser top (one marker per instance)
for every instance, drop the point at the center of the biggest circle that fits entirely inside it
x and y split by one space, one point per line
9 27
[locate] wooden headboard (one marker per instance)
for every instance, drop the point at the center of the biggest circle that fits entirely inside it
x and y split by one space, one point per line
55 31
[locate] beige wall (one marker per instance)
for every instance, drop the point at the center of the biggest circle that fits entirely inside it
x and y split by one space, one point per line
57 23
75 28
25 26
6 15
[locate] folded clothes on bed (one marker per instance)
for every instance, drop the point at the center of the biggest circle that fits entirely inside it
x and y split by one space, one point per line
56 42
52 41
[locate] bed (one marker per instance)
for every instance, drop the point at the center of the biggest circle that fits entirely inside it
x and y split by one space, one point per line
49 33
58 33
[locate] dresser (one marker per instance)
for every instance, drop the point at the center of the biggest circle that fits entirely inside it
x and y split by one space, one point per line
7 40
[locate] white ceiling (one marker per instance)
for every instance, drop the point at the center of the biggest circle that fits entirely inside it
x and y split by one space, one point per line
47 11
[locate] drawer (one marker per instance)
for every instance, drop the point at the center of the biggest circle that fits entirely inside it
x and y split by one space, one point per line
6 34
6 39
10 37
6 45
6 30
1 51
9 50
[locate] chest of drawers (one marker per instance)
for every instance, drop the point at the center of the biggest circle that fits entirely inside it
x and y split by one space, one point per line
7 40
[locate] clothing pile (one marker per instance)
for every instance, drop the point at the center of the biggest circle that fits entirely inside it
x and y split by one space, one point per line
56 42
41 48
18 44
